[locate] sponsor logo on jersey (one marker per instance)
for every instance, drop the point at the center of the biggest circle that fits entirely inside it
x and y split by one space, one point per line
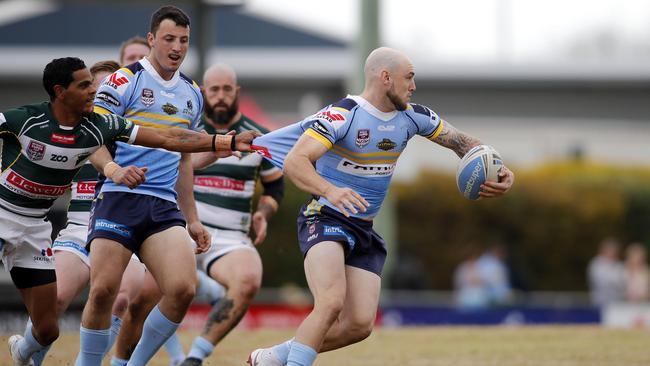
170 108
86 187
167 94
147 98
189 108
318 127
25 187
107 98
312 237
118 82
261 150
363 137
220 183
386 144
362 170
386 128
312 228
63 139
107 225
330 116
35 151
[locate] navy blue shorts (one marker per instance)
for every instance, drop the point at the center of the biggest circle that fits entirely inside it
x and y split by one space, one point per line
364 248
130 218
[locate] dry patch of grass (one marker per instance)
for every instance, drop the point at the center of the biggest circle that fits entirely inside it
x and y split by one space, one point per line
435 346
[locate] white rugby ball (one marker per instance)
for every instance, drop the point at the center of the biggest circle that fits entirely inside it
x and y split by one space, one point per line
481 163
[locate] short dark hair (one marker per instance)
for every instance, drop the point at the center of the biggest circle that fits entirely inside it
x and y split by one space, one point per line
106 66
59 72
168 12
130 41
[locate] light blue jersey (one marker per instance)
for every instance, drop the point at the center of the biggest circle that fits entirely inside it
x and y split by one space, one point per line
363 145
138 93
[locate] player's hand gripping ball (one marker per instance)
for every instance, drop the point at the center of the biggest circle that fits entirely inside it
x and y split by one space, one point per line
481 163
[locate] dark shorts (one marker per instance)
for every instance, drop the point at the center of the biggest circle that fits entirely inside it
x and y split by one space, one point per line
364 248
130 218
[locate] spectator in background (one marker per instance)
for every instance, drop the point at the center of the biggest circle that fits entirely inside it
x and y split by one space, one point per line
470 289
133 49
606 274
494 274
637 274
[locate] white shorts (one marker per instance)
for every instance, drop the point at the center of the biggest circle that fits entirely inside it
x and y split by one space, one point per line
223 242
25 241
73 239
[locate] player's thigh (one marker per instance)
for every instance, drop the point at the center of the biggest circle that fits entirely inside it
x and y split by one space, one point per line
169 256
362 297
108 260
72 276
325 270
238 265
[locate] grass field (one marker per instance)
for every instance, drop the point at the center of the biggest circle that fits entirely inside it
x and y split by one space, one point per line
556 346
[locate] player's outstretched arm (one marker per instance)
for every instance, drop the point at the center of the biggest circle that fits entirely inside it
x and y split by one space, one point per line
456 140
181 140
298 166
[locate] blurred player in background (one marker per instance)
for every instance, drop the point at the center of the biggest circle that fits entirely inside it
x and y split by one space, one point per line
224 190
345 156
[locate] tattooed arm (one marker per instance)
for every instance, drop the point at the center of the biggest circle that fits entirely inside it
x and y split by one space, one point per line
461 143
456 140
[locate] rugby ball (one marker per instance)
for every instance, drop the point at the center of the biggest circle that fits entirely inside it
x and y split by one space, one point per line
481 163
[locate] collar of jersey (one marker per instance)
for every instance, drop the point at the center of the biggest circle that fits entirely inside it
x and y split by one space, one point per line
363 103
154 74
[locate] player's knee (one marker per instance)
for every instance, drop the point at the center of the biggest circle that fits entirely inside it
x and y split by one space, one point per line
183 293
102 295
247 285
121 304
46 331
331 306
359 330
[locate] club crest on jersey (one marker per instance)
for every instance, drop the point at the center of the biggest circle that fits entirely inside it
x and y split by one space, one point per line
147 98
386 144
363 137
35 151
170 108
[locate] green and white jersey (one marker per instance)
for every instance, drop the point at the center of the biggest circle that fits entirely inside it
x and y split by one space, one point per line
82 193
224 190
40 157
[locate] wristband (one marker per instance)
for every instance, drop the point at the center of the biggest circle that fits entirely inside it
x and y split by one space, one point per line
221 142
110 168
214 139
233 146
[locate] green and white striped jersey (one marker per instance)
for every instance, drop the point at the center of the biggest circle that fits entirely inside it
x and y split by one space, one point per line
224 190
40 157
